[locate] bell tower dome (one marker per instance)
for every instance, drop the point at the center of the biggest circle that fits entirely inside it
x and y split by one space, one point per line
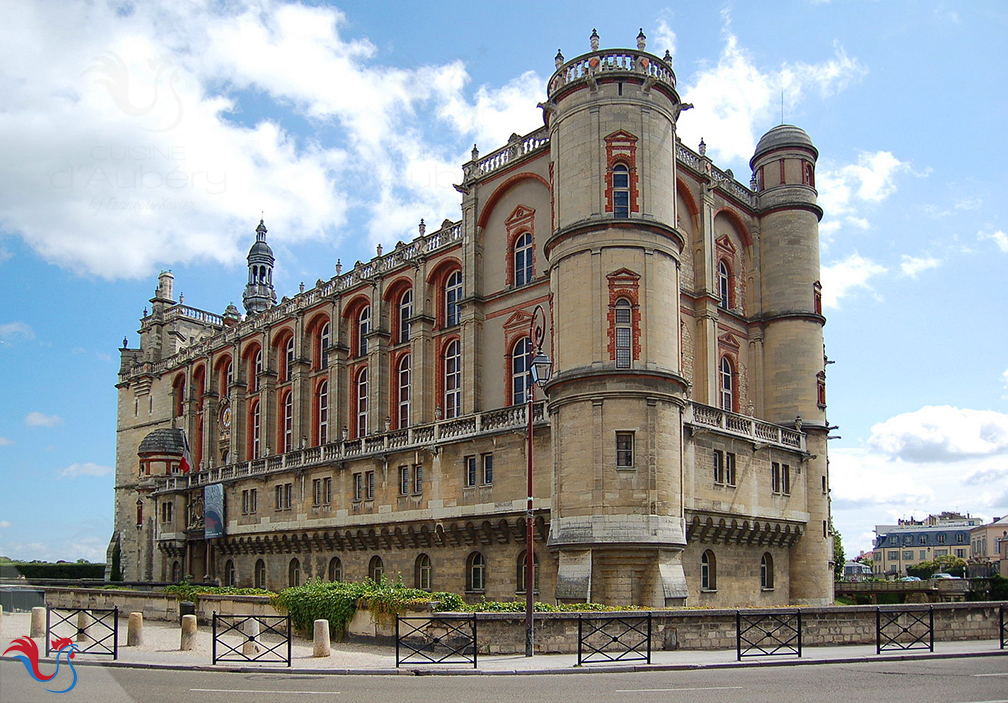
259 293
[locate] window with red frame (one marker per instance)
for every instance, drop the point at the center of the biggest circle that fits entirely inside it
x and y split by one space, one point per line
255 430
452 379
405 312
403 399
322 411
287 422
521 353
361 397
453 295
724 285
523 273
363 328
726 384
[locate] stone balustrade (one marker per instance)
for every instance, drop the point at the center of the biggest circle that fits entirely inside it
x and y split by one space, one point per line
744 426
591 65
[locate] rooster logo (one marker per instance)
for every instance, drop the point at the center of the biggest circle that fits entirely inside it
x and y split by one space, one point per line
27 651
117 81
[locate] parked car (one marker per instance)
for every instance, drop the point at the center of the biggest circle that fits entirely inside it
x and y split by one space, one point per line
910 578
943 575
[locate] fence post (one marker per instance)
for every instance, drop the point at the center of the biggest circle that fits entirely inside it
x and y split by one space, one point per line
115 633
1002 609
290 636
580 638
213 656
799 633
475 645
649 637
878 631
397 641
931 628
738 635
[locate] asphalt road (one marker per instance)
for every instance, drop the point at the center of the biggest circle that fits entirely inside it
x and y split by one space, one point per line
965 680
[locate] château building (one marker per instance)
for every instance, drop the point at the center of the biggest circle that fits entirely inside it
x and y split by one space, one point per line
377 423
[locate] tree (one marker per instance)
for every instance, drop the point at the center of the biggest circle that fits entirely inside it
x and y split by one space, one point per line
838 553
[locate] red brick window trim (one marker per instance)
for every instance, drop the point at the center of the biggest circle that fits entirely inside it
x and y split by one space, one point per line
621 150
728 385
624 285
520 233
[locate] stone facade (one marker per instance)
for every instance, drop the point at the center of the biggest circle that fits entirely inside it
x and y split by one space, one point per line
377 422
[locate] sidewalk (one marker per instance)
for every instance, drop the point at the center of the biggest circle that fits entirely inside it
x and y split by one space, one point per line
160 649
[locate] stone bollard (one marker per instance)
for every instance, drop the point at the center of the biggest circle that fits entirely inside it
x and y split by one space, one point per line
188 633
38 623
321 640
134 630
251 629
83 620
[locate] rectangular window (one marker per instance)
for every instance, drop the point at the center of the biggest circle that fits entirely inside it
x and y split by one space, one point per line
923 539
824 485
729 468
250 501
487 469
775 477
941 539
358 486
369 486
922 554
785 479
322 491
624 449
941 553
960 553
404 480
418 478
718 466
166 511
622 347
961 538
893 556
470 471
908 555
284 496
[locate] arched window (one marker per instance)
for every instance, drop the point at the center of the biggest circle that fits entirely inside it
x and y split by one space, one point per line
726 384
708 571
361 396
452 379
322 411
259 578
766 571
403 409
324 340
335 569
523 260
226 376
624 333
363 327
229 573
176 572
294 572
522 575
521 354
288 373
287 422
724 286
255 368
178 395
475 573
453 294
621 191
376 569
255 430
422 572
405 312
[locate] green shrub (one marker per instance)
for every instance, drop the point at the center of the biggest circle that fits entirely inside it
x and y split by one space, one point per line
192 591
43 570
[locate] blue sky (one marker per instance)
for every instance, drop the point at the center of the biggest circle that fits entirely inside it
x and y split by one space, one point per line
137 137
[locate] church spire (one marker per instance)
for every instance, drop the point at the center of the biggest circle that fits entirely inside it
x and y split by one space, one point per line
259 293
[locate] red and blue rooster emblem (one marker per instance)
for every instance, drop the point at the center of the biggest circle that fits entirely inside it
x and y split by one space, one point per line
27 651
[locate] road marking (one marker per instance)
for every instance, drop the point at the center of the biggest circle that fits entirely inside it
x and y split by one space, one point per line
1000 674
246 690
673 690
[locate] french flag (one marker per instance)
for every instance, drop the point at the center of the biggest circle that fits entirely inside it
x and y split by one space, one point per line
186 463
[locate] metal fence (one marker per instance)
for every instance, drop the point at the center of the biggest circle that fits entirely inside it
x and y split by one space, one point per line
614 638
1002 631
92 630
904 628
252 638
436 639
768 633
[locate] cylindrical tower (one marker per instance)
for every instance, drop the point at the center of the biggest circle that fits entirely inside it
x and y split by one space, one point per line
617 395
794 363
259 293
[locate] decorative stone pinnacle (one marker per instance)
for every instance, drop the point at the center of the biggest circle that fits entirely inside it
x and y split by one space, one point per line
641 40
594 38
378 249
423 226
559 59
703 147
668 56
339 267
475 153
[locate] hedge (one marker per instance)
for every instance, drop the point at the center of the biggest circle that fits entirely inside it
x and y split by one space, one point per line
42 570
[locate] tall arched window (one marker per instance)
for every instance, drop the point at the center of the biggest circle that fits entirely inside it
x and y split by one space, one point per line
294 572
403 407
178 396
405 311
422 572
521 354
322 411
259 579
255 430
325 339
522 575
363 327
726 384
724 285
453 294
376 569
475 572
523 259
452 379
226 376
766 571
621 191
335 569
289 360
624 333
361 396
176 572
229 573
708 571
287 422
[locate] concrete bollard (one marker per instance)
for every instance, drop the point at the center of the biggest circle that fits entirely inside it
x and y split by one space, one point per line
322 647
251 629
83 620
38 625
134 630
188 642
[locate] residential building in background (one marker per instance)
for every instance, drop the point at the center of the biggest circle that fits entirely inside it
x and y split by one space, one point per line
910 542
987 544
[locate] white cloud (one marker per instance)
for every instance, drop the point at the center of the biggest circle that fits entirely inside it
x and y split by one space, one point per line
663 39
913 265
10 331
971 203
5 254
4 524
5 442
37 419
843 277
844 190
942 434
86 469
999 238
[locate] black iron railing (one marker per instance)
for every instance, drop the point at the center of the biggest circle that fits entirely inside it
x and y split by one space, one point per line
92 630
614 638
768 633
436 639
1003 631
904 628
252 638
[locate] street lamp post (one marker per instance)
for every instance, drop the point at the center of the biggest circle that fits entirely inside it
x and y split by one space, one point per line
540 368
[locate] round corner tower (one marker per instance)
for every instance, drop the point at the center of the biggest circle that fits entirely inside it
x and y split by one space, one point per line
617 397
794 363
